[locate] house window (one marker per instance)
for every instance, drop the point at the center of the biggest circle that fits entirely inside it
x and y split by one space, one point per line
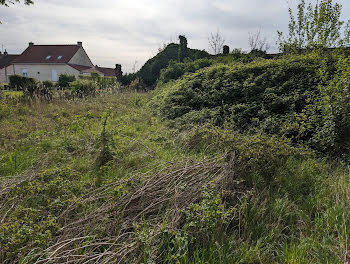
48 57
59 57
24 72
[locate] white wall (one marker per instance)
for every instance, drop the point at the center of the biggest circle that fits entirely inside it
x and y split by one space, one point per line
5 73
81 58
43 72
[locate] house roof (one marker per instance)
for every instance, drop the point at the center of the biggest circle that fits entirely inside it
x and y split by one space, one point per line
6 60
48 54
79 67
85 68
107 71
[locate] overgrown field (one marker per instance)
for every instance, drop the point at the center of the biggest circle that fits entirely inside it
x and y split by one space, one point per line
220 164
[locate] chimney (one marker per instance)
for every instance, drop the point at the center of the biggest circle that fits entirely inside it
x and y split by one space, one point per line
31 44
118 72
80 43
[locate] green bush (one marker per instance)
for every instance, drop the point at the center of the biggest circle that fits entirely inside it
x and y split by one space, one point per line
48 84
83 88
176 70
334 134
103 82
275 96
22 83
304 98
64 80
137 85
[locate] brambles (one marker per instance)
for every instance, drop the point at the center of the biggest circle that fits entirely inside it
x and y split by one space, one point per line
282 97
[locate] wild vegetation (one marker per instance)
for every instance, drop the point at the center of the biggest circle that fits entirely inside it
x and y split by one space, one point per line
150 71
237 158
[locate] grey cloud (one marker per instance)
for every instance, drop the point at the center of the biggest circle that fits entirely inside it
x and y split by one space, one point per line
119 31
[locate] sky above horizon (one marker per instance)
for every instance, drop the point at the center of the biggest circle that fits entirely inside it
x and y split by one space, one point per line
125 32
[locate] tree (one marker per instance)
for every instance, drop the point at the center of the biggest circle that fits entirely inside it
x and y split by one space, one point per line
257 42
9 2
216 42
315 26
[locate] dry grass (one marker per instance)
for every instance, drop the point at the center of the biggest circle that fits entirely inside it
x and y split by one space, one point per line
161 197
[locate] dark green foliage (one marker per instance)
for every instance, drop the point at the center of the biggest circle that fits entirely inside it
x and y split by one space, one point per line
21 83
48 84
278 97
64 80
258 90
150 72
334 135
175 70
128 78
82 88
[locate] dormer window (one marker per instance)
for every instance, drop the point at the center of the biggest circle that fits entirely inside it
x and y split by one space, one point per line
59 57
48 57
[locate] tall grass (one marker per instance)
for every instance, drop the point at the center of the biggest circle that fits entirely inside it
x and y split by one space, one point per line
104 180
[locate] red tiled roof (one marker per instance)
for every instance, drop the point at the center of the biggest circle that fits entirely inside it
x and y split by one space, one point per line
107 71
47 54
79 67
6 60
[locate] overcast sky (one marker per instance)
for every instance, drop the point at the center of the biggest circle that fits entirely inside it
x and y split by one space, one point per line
123 31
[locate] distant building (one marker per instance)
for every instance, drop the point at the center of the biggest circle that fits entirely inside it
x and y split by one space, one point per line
47 62
6 69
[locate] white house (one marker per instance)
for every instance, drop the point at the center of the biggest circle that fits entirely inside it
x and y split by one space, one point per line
47 62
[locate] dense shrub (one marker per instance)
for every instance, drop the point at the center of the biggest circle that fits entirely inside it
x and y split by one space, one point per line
137 85
48 84
83 88
64 80
282 97
128 78
22 83
175 70
334 134
103 82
